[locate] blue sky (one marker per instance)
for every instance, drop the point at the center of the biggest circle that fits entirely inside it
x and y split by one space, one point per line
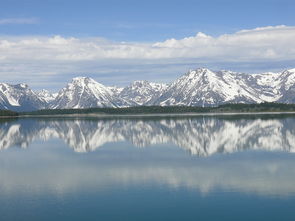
84 32
143 20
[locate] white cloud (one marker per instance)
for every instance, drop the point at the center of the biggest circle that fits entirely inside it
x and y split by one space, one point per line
267 43
30 56
5 21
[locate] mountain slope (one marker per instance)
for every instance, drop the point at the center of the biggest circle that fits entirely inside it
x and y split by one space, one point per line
46 96
115 90
84 92
286 86
142 92
19 98
203 87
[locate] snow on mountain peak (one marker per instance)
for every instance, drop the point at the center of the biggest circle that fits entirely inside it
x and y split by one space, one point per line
194 73
291 70
83 80
200 87
140 82
22 85
115 90
141 92
84 92
46 95
203 87
19 97
43 92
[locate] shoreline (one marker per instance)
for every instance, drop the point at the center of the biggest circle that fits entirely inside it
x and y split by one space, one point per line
190 114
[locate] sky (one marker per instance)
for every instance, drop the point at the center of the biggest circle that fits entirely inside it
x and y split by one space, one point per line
46 43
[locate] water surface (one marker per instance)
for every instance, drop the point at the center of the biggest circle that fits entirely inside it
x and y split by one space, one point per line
194 168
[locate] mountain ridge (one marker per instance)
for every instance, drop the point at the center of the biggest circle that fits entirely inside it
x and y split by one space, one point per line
200 87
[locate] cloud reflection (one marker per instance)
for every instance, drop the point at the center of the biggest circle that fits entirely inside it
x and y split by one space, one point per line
269 176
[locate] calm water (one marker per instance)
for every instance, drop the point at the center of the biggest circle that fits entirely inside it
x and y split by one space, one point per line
201 168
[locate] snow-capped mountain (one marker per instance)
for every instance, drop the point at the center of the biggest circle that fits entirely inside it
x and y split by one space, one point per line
19 97
116 90
142 92
46 96
84 92
200 87
286 86
203 87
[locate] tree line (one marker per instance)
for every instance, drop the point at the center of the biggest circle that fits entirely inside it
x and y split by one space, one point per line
226 108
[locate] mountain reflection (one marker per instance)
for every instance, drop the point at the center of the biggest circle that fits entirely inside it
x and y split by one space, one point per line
201 136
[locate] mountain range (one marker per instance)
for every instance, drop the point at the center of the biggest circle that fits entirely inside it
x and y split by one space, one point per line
200 87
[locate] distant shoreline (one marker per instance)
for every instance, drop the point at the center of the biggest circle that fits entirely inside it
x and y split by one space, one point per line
99 115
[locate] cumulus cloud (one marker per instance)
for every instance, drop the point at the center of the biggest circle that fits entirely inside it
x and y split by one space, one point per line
5 21
261 43
46 56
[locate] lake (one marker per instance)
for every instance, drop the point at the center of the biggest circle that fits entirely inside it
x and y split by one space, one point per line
149 168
